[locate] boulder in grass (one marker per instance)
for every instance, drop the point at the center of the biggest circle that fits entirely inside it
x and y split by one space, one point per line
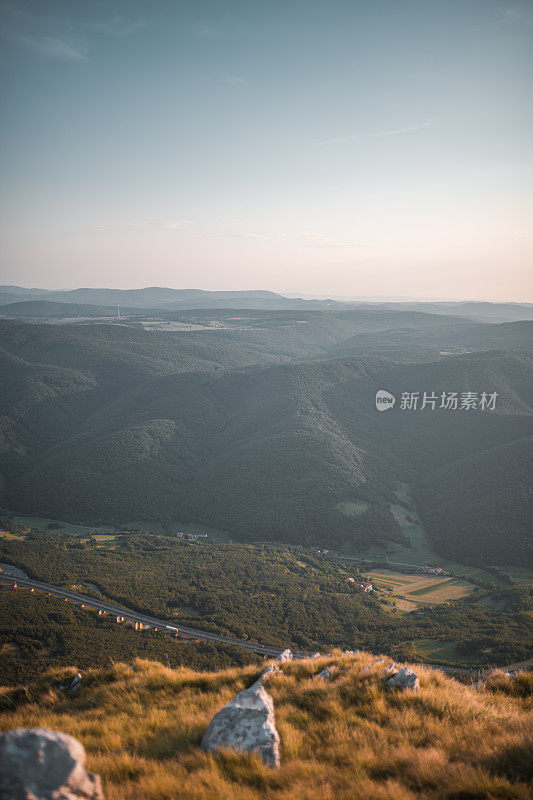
286 655
247 725
267 673
326 673
73 685
40 764
406 678
391 670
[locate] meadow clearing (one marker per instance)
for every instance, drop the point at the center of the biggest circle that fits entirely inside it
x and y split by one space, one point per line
107 533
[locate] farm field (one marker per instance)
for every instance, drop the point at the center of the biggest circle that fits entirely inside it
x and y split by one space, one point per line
420 551
107 533
9 535
521 575
214 534
491 602
104 538
442 651
409 591
59 525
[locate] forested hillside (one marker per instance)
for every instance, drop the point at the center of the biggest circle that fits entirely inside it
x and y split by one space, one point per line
417 344
108 423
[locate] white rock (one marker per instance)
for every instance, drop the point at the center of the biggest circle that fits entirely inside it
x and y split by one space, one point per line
286 655
75 683
246 724
391 670
72 685
267 673
326 673
39 764
406 678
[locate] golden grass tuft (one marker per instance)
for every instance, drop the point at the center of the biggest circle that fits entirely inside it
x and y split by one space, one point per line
347 738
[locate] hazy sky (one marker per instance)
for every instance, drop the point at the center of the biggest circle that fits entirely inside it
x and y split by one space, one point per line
342 148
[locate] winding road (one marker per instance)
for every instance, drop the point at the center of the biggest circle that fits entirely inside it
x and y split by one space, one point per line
16 578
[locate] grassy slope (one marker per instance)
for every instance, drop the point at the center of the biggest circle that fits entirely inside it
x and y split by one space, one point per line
347 738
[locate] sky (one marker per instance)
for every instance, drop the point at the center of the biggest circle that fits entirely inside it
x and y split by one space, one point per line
342 148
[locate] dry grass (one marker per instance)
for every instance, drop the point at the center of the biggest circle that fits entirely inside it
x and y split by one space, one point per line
345 739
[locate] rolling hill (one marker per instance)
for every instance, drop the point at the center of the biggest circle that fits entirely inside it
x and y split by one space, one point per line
112 423
430 344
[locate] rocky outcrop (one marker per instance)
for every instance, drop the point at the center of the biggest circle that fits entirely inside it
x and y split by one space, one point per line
286 655
246 724
406 678
39 764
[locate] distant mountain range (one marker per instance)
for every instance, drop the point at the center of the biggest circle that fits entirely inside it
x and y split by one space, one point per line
485 312
182 299
157 297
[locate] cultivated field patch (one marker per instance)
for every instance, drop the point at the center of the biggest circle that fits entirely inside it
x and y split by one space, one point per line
424 589
106 533
521 575
429 649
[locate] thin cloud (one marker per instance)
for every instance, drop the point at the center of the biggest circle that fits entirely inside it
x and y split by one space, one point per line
173 225
326 240
55 33
50 47
235 80
519 14
305 239
117 26
353 137
233 29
